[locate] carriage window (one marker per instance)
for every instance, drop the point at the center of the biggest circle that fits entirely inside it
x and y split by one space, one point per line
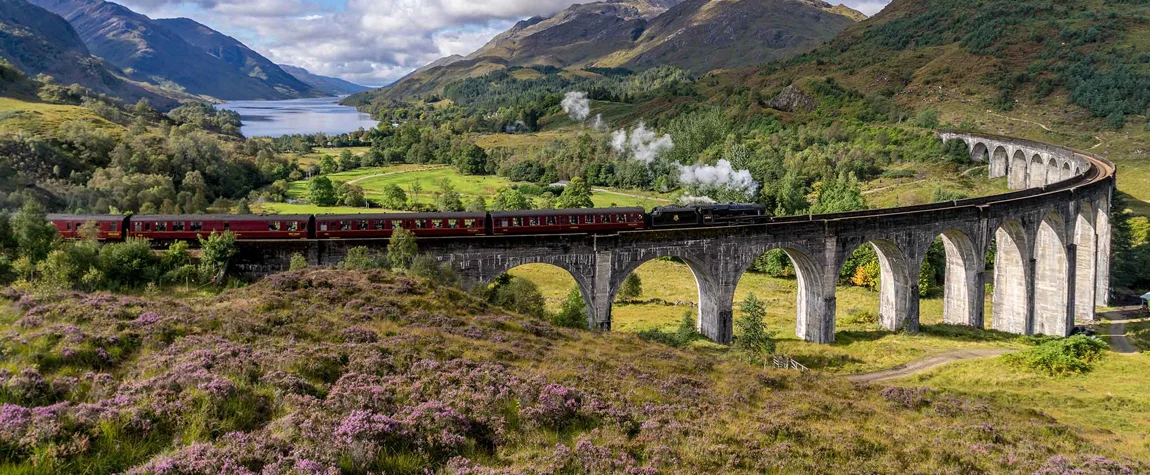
161 226
621 218
362 225
469 223
452 223
68 226
517 221
323 226
551 220
197 226
534 221
273 225
227 226
396 224
573 220
506 223
345 225
293 226
178 226
437 223
112 227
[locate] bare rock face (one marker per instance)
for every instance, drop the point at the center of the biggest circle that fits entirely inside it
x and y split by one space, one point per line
794 99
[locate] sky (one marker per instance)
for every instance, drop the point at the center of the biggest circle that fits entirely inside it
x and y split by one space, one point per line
369 42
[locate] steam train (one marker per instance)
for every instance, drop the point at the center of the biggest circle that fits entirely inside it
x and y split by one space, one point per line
178 227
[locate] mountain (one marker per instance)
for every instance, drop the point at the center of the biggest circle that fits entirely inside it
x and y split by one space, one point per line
36 41
149 51
328 85
444 61
1066 63
695 35
241 57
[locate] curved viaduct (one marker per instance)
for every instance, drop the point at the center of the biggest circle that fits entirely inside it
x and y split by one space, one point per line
1051 266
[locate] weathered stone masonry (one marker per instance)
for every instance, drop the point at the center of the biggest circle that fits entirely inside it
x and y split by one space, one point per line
1051 267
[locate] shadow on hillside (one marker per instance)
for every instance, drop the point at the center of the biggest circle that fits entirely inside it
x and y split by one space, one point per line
945 331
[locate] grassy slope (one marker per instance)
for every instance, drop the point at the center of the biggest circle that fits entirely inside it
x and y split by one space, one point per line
350 338
1110 405
42 119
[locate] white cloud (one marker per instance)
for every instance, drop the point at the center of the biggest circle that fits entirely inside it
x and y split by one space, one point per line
869 7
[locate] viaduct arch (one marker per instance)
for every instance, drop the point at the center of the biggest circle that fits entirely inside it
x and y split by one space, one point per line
1051 267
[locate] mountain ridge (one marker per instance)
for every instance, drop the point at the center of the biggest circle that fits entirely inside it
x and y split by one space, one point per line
329 85
640 34
37 41
148 51
237 54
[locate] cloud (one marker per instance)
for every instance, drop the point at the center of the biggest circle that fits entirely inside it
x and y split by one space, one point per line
372 42
869 7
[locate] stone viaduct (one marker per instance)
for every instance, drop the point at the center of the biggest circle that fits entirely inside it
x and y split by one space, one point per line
1051 266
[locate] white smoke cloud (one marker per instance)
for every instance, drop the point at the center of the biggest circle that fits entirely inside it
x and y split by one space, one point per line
643 144
576 105
720 175
598 124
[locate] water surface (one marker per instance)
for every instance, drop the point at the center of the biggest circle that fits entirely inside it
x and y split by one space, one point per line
298 116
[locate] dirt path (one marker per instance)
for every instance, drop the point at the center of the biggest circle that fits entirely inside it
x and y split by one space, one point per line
1114 329
400 172
1021 120
620 193
928 363
896 185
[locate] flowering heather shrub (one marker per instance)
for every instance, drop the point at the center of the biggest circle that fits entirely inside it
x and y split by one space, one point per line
325 372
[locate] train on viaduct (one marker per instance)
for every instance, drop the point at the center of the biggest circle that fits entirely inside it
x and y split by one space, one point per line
1052 265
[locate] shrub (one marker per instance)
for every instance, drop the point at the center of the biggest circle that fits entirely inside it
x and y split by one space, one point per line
358 258
1064 356
684 334
631 289
753 339
428 268
402 249
298 262
573 314
217 249
129 263
927 119
517 295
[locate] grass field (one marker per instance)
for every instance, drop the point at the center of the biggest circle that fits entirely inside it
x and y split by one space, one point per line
1110 405
861 345
374 179
919 189
317 153
41 119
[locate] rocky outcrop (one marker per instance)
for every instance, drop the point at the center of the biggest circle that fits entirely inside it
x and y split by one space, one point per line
793 99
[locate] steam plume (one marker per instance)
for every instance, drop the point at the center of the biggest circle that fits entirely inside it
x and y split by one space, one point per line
720 175
576 105
643 144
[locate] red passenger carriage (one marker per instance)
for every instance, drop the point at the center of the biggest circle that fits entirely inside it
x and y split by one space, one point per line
340 226
111 226
244 227
588 220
